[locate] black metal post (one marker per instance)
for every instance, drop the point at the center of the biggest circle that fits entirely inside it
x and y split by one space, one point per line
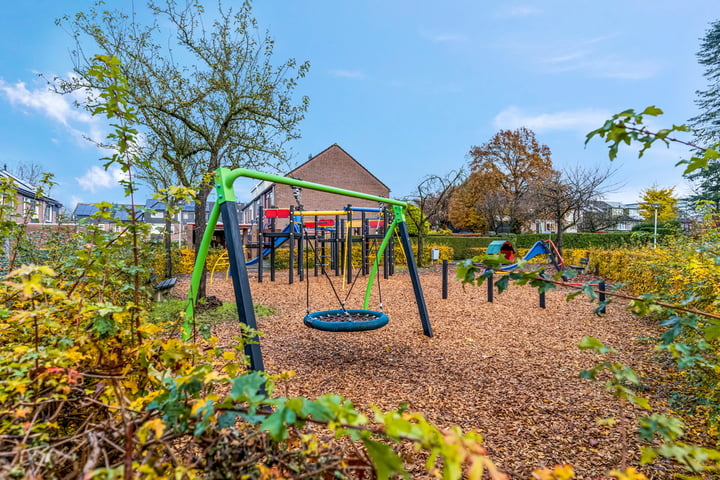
335 253
542 299
260 243
601 289
415 277
445 279
241 284
349 249
315 247
301 247
291 242
364 243
490 285
272 250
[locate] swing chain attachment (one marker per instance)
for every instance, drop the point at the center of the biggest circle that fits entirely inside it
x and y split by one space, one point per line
297 193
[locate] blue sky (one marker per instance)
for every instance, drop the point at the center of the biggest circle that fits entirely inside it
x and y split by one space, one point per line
406 87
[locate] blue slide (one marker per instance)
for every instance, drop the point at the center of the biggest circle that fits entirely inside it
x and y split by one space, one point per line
278 241
540 248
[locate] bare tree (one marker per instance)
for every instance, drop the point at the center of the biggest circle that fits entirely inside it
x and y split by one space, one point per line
564 195
29 172
431 197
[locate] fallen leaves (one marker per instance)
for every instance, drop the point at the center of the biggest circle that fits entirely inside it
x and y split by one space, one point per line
506 369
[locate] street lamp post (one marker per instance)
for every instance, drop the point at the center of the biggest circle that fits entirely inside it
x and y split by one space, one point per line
655 206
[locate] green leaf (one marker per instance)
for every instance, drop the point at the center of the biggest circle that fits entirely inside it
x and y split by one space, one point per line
316 411
248 388
648 455
712 332
387 463
652 110
641 402
502 283
275 425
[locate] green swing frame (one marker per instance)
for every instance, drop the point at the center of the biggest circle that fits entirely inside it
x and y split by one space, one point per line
226 207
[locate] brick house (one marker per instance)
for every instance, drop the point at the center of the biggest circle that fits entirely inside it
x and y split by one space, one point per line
43 210
333 167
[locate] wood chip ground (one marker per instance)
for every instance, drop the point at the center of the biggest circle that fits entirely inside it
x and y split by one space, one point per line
507 369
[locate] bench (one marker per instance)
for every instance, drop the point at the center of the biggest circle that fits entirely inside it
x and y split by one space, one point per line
582 268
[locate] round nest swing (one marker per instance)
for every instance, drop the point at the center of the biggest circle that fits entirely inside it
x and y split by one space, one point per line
346 320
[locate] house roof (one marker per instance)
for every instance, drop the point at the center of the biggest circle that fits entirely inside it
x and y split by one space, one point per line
160 206
335 145
28 190
121 212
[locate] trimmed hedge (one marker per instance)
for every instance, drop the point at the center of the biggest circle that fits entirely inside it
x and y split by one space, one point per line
467 247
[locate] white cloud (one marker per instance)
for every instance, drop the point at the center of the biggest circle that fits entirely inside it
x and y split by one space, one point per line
348 74
521 11
57 107
582 120
445 37
97 178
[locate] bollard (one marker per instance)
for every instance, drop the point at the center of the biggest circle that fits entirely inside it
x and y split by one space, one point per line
445 279
490 283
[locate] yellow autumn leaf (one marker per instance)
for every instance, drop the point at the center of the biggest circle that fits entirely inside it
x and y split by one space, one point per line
149 328
155 425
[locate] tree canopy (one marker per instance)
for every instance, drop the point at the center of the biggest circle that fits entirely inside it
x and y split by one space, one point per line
667 209
504 172
204 85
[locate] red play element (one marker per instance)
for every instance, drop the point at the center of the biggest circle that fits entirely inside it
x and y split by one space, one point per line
277 213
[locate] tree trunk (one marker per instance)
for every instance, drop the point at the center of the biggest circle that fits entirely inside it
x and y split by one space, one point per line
167 239
419 256
559 235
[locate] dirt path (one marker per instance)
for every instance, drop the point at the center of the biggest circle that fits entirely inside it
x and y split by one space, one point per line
507 369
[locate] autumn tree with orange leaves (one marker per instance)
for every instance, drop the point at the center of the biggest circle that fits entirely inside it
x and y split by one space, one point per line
504 172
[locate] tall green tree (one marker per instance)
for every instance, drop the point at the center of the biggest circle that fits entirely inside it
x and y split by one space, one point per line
706 184
203 83
706 125
515 162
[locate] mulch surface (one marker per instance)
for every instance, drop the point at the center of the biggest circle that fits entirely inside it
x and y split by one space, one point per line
507 369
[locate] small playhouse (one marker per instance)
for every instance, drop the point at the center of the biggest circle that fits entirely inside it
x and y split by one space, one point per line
501 247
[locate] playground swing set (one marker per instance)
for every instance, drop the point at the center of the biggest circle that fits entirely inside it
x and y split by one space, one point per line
345 320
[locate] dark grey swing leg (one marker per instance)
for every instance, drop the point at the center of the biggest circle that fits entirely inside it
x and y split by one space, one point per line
241 284
415 277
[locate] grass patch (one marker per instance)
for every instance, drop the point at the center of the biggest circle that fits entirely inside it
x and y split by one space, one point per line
170 310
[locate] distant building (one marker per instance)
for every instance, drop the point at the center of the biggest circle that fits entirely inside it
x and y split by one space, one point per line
38 209
333 167
119 213
181 224
597 215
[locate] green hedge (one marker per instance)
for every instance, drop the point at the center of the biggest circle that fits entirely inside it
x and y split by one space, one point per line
466 247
